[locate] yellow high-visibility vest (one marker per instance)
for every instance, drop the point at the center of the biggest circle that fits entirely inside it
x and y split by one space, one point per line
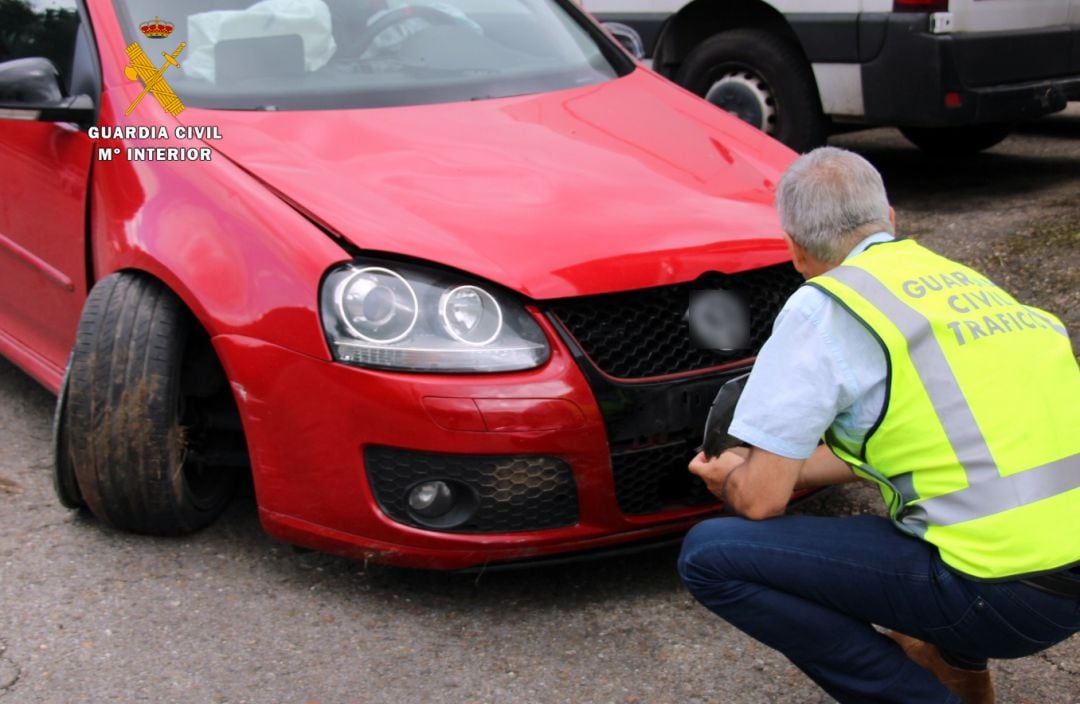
977 449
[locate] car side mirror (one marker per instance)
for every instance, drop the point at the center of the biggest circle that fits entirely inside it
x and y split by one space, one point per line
30 90
628 37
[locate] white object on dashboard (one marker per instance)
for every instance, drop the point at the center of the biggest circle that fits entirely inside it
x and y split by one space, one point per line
270 18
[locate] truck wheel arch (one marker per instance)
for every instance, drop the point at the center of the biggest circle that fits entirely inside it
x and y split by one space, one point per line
700 19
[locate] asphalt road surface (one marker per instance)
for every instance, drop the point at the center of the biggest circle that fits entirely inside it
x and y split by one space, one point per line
229 615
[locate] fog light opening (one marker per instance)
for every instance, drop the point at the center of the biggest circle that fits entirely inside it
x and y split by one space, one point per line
441 503
431 499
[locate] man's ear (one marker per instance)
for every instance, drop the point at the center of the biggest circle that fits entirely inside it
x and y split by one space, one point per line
798 254
892 216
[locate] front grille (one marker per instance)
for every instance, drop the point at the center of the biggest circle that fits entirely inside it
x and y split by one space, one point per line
514 492
639 334
654 479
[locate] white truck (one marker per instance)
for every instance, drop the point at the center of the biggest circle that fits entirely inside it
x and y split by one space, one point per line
953 75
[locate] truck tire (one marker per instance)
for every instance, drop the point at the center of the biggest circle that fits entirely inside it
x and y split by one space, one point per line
123 419
956 141
761 78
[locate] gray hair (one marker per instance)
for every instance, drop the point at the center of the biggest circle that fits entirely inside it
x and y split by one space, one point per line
829 199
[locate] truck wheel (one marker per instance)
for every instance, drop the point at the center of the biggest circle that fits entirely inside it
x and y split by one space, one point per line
762 79
956 140
130 418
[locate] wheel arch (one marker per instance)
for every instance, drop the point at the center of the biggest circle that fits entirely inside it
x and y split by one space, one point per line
701 19
205 312
240 259
198 330
186 296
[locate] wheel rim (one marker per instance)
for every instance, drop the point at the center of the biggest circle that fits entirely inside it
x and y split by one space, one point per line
746 95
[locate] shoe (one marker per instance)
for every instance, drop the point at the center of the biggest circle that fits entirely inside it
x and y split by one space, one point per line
972 686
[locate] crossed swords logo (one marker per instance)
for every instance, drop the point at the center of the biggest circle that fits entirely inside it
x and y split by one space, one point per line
153 82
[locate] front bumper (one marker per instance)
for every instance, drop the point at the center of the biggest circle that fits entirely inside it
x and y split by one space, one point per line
309 424
992 76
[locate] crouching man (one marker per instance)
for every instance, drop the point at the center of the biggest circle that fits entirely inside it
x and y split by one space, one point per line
961 403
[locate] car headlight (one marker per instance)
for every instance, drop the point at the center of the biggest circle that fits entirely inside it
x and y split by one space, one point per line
415 318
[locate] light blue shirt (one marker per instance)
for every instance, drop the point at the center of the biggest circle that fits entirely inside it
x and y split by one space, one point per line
820 367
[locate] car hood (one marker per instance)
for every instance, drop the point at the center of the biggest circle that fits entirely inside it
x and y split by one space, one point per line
627 184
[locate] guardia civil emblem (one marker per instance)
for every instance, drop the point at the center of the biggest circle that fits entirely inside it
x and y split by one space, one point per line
141 68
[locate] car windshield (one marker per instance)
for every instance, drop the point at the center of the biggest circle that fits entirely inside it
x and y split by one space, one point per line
326 54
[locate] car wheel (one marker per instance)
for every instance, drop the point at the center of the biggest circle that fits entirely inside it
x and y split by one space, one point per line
762 79
951 141
131 417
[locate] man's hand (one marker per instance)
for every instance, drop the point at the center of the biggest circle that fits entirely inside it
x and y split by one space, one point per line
757 484
716 470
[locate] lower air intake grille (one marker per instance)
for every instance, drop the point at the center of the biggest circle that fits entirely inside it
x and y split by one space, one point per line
639 334
654 479
514 492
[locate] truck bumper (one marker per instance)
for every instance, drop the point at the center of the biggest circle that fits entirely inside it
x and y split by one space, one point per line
919 79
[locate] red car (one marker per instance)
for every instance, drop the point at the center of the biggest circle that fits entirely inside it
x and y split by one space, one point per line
422 269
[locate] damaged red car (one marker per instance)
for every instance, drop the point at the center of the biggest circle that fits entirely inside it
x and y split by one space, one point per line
421 268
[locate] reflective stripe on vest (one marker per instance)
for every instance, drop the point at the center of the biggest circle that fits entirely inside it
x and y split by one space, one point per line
976 449
988 492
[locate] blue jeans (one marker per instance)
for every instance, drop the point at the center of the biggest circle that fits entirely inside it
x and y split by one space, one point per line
811 586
